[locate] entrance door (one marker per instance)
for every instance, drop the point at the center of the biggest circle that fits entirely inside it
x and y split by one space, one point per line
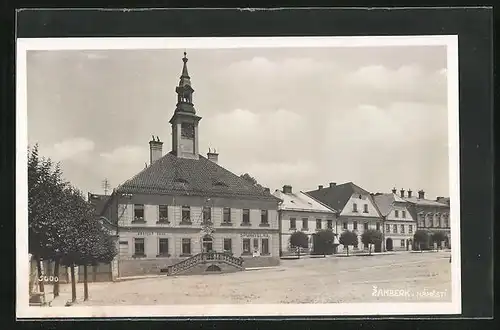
388 244
378 247
207 244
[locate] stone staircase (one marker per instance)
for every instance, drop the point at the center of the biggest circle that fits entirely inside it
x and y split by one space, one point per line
204 259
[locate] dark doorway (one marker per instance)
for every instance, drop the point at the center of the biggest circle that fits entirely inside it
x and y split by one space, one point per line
207 244
213 268
447 242
388 244
378 247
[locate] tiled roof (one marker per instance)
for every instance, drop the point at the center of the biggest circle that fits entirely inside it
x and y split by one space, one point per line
384 202
301 202
99 202
199 177
426 202
337 196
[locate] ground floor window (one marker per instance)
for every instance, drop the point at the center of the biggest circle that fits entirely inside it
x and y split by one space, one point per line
330 224
265 246
186 246
402 243
246 245
344 225
228 244
139 246
163 246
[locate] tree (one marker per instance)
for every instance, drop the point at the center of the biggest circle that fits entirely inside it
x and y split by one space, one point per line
323 243
421 237
251 179
299 240
46 219
371 236
438 237
348 238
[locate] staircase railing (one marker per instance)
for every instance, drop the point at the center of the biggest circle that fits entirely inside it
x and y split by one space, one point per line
203 258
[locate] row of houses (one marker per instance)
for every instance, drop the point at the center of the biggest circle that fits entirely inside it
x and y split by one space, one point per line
397 215
183 204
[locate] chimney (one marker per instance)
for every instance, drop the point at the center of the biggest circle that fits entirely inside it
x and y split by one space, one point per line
320 187
394 190
213 156
287 189
332 184
402 191
155 149
409 193
421 194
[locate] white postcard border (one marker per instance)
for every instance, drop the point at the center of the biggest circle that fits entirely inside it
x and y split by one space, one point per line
23 309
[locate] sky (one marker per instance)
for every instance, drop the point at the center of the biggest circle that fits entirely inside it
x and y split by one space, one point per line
376 116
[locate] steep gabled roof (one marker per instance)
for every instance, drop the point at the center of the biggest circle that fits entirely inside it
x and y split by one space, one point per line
424 202
198 177
337 196
385 202
301 202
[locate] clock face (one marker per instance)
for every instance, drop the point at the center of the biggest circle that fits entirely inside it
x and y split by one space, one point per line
187 130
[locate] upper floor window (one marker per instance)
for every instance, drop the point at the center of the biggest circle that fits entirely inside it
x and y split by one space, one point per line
264 216
410 229
207 214
365 208
403 214
395 229
163 213
329 224
304 224
446 224
138 212
186 213
344 225
226 215
355 225
378 226
246 216
396 213
293 223
318 223
354 207
388 228
366 226
402 229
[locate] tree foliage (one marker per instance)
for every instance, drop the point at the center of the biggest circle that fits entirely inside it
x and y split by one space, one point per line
61 223
421 238
348 238
438 237
299 240
371 236
323 243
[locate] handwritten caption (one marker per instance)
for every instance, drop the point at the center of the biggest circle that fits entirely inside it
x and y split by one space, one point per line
407 293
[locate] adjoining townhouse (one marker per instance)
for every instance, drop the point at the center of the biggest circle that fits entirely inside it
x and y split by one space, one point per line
183 204
356 206
299 211
432 215
399 225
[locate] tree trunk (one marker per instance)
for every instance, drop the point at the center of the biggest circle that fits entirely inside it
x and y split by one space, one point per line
369 249
298 252
347 250
56 277
39 278
73 284
85 284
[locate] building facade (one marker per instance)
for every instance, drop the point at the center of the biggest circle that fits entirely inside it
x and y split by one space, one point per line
357 210
399 224
183 204
300 212
431 215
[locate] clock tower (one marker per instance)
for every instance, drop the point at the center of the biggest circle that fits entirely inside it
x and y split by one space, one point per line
185 121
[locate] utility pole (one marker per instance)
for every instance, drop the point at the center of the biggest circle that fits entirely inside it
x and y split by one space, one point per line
105 186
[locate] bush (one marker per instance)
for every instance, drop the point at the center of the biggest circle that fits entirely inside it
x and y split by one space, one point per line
299 240
348 238
370 237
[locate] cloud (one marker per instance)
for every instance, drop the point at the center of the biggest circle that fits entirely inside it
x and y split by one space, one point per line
122 163
73 148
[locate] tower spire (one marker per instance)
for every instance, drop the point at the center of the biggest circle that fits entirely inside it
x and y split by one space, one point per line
184 90
185 79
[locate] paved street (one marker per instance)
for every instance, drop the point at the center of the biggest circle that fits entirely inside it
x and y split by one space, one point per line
309 280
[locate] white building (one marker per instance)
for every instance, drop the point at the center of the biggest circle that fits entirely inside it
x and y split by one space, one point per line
299 211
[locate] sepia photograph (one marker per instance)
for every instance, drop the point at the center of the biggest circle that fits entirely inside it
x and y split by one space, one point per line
237 176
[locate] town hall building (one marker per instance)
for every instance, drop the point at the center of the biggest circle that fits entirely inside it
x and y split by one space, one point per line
183 204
